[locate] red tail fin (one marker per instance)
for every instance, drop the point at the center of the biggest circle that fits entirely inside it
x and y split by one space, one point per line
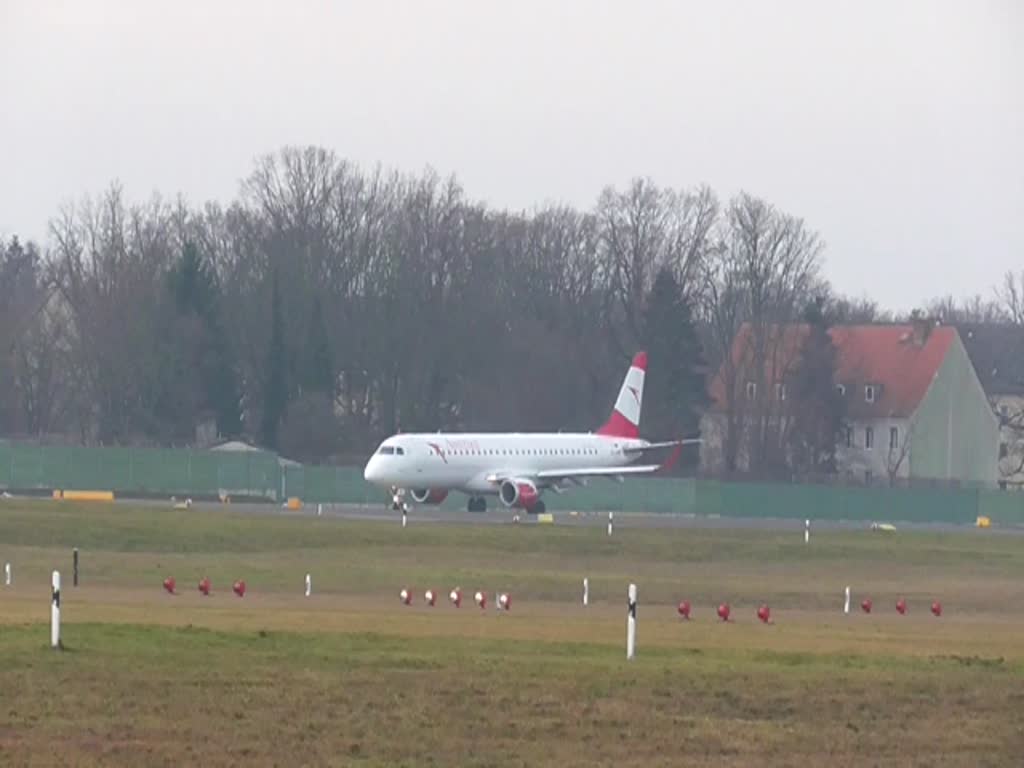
625 419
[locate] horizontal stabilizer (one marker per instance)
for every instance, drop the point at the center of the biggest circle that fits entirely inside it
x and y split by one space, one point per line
668 444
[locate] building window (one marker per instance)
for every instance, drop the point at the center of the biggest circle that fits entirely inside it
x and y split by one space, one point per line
894 438
867 477
751 390
849 437
780 391
869 438
1004 450
841 390
869 393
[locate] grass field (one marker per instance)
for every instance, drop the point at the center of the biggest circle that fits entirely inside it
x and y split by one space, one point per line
352 677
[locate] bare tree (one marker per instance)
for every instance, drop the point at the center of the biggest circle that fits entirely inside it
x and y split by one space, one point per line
974 309
110 261
1011 297
439 312
899 454
845 310
764 266
642 230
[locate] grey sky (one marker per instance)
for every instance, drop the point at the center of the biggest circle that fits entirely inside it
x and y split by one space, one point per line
894 128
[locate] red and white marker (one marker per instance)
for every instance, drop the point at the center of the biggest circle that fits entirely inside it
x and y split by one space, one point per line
684 609
764 613
405 596
504 601
429 597
204 586
865 605
238 588
169 585
724 611
481 599
937 608
456 597
901 606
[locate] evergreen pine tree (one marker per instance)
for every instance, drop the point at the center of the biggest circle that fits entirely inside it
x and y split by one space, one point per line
196 291
222 383
819 409
318 369
275 394
675 392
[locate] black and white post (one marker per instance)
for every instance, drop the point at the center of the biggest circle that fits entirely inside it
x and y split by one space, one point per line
7 574
55 612
309 585
586 591
631 623
846 604
74 567
611 516
807 531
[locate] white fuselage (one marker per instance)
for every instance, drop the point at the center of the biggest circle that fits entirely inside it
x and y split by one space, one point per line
469 462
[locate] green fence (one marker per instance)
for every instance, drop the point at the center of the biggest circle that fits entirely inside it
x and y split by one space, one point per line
139 470
261 475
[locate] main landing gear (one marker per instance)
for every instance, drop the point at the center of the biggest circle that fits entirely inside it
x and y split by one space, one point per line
538 508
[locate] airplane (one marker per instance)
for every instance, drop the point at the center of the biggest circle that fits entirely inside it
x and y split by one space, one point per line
519 467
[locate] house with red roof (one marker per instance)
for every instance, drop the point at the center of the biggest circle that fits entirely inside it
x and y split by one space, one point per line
914 406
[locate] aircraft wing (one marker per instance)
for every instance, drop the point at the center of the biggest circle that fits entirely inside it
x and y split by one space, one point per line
568 474
629 469
577 476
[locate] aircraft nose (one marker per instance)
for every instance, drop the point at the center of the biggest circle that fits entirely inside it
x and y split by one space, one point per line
370 471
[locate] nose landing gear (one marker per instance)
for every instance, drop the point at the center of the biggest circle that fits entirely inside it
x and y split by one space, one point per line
476 504
398 503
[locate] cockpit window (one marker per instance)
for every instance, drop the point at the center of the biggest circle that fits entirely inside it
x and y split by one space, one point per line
400 451
387 450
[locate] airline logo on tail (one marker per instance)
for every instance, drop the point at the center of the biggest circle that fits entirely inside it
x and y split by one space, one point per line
625 419
636 395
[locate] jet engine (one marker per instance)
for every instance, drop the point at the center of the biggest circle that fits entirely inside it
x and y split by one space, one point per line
519 493
429 495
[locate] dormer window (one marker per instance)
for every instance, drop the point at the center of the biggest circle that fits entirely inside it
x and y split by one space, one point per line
869 393
751 390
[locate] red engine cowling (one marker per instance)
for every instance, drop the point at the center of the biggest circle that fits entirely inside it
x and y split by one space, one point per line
429 495
519 493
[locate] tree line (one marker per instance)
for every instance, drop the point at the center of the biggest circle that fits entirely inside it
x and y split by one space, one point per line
329 306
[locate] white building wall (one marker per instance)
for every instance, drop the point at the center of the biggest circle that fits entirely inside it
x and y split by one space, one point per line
1010 408
880 460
